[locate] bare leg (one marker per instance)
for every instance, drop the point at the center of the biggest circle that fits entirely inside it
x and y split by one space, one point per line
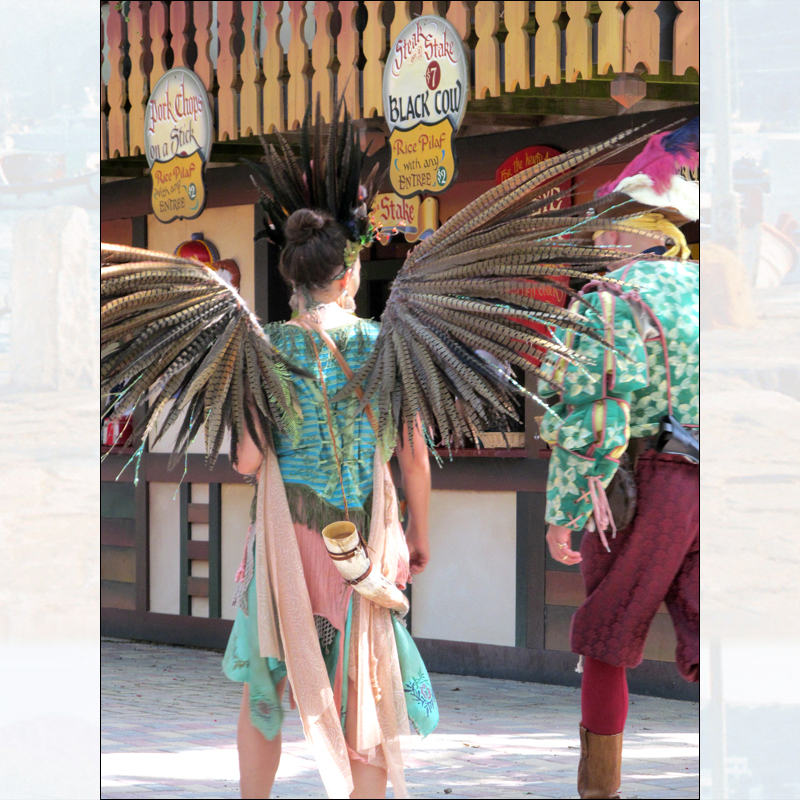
368 781
258 757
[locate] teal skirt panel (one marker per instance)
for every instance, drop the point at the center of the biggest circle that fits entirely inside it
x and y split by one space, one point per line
244 663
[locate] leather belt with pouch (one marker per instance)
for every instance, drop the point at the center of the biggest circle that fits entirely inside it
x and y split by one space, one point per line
672 439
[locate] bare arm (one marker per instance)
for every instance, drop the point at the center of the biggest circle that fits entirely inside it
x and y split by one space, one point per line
416 468
248 454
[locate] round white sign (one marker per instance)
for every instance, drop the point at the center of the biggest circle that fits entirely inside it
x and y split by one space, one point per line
178 120
426 78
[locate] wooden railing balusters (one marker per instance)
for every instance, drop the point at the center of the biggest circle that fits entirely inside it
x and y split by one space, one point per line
117 90
347 53
273 64
487 51
579 41
686 37
517 47
297 90
322 60
375 50
138 82
227 71
547 60
642 28
204 66
610 37
159 30
103 96
180 17
459 16
402 16
158 33
251 99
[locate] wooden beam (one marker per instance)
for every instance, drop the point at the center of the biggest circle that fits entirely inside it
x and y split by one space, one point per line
198 512
142 527
117 532
214 550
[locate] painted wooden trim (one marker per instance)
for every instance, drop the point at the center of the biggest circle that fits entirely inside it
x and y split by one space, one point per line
215 550
166 628
117 595
530 569
198 512
154 469
490 475
185 496
117 532
142 528
654 678
197 587
197 550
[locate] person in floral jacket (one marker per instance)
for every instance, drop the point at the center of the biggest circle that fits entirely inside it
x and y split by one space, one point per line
613 404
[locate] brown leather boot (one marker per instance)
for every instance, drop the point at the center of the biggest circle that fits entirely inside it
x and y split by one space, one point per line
600 765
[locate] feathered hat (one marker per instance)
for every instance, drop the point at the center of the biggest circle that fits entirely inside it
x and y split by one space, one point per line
325 177
654 177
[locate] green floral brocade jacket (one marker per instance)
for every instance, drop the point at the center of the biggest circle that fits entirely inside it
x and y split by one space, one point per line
614 398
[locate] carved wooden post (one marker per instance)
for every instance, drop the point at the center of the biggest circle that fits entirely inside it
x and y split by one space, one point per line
159 28
518 47
430 8
579 41
103 97
227 71
180 15
117 89
686 51
347 51
322 60
250 100
402 16
642 35
297 90
487 51
610 37
138 83
458 15
273 64
375 52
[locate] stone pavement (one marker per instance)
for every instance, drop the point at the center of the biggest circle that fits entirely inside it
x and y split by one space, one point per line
169 730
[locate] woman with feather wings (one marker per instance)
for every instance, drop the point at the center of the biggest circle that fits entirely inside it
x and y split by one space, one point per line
173 333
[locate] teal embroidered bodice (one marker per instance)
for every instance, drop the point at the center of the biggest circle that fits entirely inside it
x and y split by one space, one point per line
308 465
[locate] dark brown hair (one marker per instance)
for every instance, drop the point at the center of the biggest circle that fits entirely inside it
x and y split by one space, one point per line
314 251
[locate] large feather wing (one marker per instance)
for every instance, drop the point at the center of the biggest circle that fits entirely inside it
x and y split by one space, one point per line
467 288
172 330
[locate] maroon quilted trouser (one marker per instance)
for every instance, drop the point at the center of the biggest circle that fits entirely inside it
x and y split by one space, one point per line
656 558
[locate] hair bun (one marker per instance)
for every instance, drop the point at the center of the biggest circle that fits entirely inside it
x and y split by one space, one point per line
303 225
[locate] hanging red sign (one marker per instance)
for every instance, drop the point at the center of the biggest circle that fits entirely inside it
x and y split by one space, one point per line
530 157
524 159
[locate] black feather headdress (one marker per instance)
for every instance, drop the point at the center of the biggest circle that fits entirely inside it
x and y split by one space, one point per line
326 176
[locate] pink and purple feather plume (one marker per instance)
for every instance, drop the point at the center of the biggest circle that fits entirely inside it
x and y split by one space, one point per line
662 157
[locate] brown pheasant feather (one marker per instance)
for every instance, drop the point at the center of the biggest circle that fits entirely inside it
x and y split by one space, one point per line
172 330
468 288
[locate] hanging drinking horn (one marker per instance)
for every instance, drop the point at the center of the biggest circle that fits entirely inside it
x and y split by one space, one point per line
350 556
